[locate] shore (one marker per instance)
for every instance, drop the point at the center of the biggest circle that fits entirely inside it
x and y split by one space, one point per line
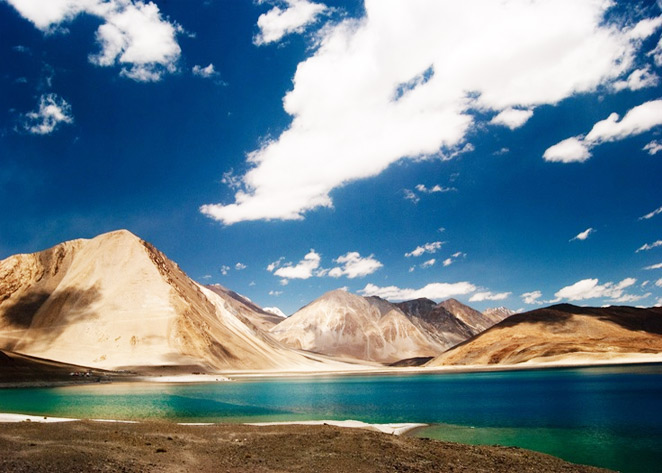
168 447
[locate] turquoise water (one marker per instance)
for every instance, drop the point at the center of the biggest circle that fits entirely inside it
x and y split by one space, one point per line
608 416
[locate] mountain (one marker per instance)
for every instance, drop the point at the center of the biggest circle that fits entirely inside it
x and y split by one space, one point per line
498 313
245 309
474 319
116 302
563 333
344 325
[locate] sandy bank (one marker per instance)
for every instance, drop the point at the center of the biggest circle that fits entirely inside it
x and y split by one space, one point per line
164 447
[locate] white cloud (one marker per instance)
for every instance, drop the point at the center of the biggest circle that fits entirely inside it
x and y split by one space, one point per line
532 297
429 263
583 235
133 35
277 22
224 270
649 246
651 214
304 269
434 189
629 298
654 266
431 291
354 266
239 266
570 150
512 118
637 120
653 147
448 262
275 293
206 276
489 296
658 283
639 79
431 247
590 289
405 82
275 264
53 110
205 72
410 195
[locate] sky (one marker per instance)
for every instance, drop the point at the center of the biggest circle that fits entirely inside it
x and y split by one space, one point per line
502 153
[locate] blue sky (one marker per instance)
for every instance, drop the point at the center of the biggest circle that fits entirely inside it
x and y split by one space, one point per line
503 153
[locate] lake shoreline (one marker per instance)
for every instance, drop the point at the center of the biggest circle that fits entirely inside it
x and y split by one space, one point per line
163 446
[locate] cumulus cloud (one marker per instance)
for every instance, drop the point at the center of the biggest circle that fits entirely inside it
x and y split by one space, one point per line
53 110
583 235
532 297
590 289
434 291
354 266
654 266
205 72
630 298
639 79
431 247
649 246
240 266
653 147
651 214
637 120
489 296
304 269
512 118
405 82
224 270
133 34
277 22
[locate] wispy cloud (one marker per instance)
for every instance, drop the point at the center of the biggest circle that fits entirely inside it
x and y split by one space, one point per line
638 120
649 246
451 259
654 266
431 291
431 247
489 296
133 34
429 263
583 235
53 110
206 72
277 22
434 189
653 147
376 91
651 214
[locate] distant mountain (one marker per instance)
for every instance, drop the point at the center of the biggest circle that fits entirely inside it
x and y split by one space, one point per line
563 333
245 309
115 301
498 313
275 311
341 324
474 319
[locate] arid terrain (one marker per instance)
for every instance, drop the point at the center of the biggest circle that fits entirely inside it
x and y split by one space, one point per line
29 447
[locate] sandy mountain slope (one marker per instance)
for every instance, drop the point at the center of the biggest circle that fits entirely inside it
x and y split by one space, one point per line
474 319
346 325
247 311
562 333
116 301
498 313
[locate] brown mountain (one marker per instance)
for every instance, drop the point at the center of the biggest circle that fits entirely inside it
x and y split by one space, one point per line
563 333
248 312
115 301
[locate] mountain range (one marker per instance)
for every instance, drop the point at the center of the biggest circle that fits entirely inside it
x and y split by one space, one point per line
115 302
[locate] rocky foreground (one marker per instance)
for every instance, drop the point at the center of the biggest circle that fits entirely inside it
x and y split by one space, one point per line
166 447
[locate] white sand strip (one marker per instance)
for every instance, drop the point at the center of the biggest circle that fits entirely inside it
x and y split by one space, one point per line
393 429
186 378
4 417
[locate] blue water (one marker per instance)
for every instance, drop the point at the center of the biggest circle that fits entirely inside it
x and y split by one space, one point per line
607 416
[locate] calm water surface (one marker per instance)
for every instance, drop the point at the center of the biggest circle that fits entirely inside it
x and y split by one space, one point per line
608 416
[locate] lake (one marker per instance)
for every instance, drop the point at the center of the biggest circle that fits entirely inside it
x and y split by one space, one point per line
603 416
